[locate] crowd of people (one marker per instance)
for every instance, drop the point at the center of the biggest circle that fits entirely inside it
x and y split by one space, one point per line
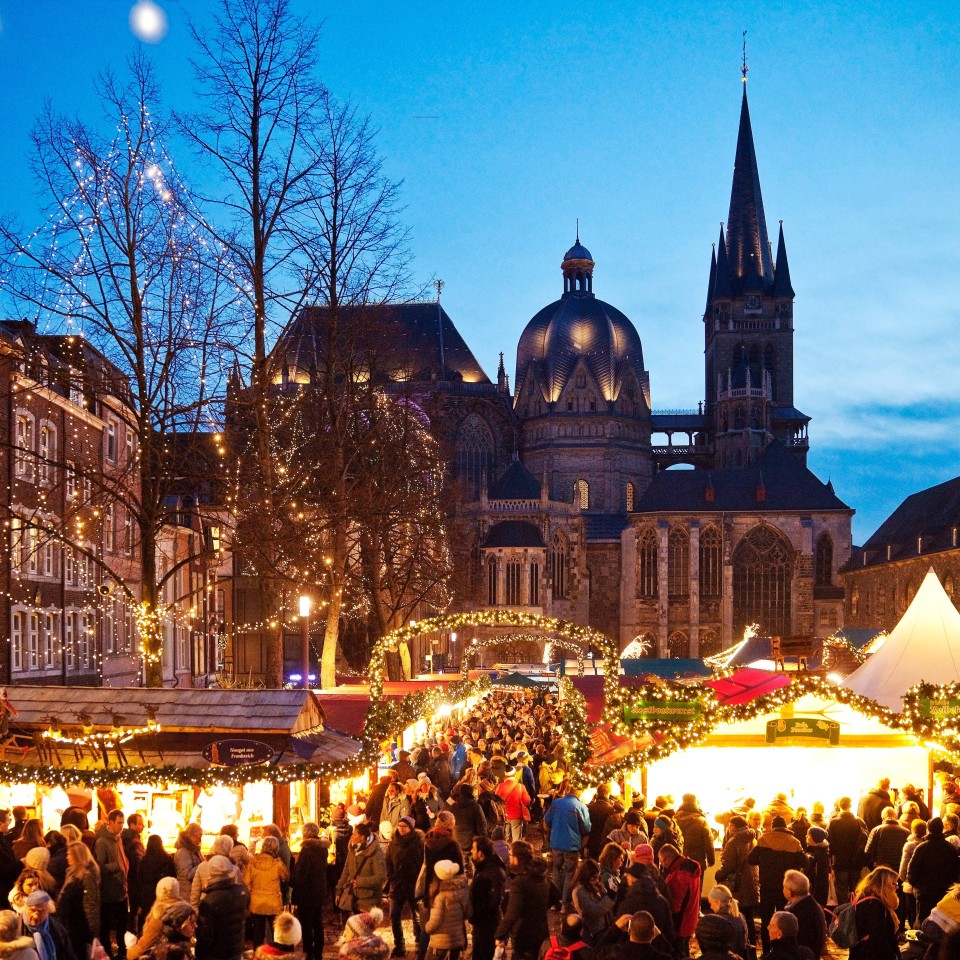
477 839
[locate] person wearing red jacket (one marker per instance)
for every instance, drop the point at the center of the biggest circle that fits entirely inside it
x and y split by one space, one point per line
516 803
682 877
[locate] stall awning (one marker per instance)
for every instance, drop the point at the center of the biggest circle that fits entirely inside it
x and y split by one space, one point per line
746 685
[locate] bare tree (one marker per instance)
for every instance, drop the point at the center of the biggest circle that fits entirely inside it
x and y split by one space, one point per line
122 264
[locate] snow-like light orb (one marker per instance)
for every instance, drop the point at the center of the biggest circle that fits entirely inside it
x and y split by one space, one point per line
148 21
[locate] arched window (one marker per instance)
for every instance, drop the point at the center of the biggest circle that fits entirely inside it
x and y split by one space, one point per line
474 453
631 494
647 576
678 645
678 563
854 600
513 578
823 563
581 494
492 591
559 567
711 563
762 570
739 417
534 584
709 643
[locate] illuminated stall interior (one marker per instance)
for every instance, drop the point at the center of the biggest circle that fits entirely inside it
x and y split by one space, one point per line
175 756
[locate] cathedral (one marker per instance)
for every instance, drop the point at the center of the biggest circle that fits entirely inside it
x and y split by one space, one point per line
576 499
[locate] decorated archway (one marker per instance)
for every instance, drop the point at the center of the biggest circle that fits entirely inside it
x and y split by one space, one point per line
562 633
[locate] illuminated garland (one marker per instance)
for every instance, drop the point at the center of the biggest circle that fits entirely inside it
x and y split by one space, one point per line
945 726
573 713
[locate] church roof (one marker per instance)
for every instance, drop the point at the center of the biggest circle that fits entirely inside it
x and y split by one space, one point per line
514 533
930 514
515 483
415 341
604 526
785 483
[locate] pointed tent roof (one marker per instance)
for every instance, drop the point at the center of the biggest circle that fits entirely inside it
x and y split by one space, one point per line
748 246
924 645
781 284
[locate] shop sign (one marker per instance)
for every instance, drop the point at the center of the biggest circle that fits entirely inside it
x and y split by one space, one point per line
803 728
939 709
662 711
237 753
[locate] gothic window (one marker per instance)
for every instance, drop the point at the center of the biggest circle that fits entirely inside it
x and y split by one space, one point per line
724 421
631 493
534 584
711 563
739 417
678 563
512 580
475 453
854 601
593 404
581 494
882 601
492 592
647 577
823 563
581 380
762 570
570 405
678 645
770 365
709 643
755 377
559 567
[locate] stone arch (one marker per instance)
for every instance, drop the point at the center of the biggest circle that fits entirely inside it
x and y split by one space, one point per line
710 643
763 564
678 645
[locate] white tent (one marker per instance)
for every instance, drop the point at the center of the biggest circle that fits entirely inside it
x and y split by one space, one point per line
924 645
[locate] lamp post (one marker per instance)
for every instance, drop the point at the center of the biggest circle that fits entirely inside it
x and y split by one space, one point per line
305 640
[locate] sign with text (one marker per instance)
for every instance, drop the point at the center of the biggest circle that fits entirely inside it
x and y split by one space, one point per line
662 711
237 753
939 709
803 729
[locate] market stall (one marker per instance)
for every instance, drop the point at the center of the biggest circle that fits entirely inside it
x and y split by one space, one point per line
176 756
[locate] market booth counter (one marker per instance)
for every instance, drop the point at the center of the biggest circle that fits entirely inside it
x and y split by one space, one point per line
248 757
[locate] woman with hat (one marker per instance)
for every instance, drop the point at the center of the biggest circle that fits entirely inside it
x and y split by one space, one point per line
287 939
448 910
360 940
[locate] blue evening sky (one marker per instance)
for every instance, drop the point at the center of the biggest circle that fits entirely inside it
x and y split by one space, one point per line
505 122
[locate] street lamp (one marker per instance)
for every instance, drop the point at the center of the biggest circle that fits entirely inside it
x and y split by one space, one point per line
305 640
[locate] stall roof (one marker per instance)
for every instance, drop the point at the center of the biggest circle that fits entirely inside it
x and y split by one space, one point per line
746 685
665 667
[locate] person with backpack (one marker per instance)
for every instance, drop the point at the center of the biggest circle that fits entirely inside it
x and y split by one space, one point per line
569 943
875 909
847 835
491 804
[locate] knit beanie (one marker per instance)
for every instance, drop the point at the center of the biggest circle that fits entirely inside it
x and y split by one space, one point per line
664 823
713 931
817 834
220 867
168 888
286 930
643 853
446 869
778 823
177 914
363 925
38 858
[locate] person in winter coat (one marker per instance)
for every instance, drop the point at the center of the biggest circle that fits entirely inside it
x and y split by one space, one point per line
264 877
486 897
112 861
665 831
309 888
57 863
439 844
48 935
492 805
591 901
222 914
516 804
187 857
177 928
847 834
782 937
776 852
568 821
876 915
167 892
682 877
908 896
78 906
222 847
13 944
32 836
736 871
724 905
714 932
360 940
873 803
155 865
778 807
812 925
134 852
599 809
470 821
629 834
441 776
448 911
404 858
910 794
933 869
696 832
287 939
524 922
361 884
817 869
885 844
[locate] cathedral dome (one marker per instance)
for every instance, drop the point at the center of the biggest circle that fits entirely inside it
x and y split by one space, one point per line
579 326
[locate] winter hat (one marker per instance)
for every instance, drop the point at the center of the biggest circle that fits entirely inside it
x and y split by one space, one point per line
386 829
220 867
664 823
177 914
935 827
38 898
721 894
737 822
286 930
168 888
817 834
631 816
643 853
363 925
409 821
222 845
413 783
778 823
38 858
446 869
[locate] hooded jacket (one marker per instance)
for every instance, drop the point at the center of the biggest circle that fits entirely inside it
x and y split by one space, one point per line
933 867
486 892
367 866
264 876
871 807
642 894
735 869
697 835
221 926
682 878
470 821
447 915
776 852
186 859
404 859
21 948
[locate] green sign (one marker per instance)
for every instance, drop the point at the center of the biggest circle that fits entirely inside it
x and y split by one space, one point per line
803 728
662 711
939 709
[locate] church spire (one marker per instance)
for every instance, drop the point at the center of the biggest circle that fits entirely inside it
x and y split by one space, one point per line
747 242
781 285
712 282
723 287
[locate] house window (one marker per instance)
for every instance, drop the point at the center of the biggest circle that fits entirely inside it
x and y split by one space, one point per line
23 464
581 494
18 552
49 559
51 640
631 494
69 566
71 481
86 641
18 650
70 638
128 443
647 574
711 563
534 584
33 640
109 630
513 580
108 529
32 551
127 532
112 427
492 591
46 453
823 564
678 563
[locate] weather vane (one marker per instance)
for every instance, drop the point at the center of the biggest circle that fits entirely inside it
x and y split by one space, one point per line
744 69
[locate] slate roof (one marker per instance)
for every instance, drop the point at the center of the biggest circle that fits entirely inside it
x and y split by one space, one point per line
514 533
679 421
930 514
515 483
604 526
787 485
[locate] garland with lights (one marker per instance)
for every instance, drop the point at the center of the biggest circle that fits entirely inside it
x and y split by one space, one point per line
573 713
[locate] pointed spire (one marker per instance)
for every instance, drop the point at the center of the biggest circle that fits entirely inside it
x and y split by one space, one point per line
501 376
781 285
724 285
711 283
748 246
